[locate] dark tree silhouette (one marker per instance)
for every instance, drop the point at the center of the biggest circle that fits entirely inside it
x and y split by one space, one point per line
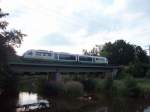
140 55
9 39
120 52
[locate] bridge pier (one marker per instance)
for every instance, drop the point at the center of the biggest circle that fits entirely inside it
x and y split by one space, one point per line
114 73
55 76
111 74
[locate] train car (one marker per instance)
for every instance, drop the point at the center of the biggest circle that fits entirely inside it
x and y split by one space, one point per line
85 58
92 59
39 54
97 59
66 57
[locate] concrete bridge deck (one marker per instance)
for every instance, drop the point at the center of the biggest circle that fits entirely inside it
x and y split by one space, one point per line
38 66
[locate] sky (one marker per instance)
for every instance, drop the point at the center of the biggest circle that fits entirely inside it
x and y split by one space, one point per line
74 25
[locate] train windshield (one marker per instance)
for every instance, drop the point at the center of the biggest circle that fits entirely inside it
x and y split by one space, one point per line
29 53
43 54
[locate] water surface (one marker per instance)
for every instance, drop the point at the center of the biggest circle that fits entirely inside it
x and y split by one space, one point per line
104 104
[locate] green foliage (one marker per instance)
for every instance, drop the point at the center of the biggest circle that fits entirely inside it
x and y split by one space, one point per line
108 86
148 74
122 53
89 85
94 52
119 88
74 89
100 85
105 86
106 51
53 89
140 55
118 52
132 88
8 82
137 70
8 40
144 85
122 73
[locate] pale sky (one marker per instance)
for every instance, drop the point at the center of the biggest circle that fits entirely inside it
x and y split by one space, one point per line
73 25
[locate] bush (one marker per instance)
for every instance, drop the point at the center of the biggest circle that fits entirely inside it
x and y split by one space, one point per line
74 89
148 74
119 88
8 81
40 84
132 88
124 73
89 85
108 86
100 85
53 88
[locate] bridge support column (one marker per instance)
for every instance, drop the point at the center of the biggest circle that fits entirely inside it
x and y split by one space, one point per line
56 76
114 73
111 74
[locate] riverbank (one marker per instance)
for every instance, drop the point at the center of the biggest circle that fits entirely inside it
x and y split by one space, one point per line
92 95
129 87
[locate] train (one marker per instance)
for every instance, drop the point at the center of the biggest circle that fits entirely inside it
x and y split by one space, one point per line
62 56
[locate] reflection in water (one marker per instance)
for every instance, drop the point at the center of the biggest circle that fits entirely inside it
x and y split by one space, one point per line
147 109
30 101
104 104
27 98
120 105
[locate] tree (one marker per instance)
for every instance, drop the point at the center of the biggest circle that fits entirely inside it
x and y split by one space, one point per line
140 55
9 39
94 52
119 52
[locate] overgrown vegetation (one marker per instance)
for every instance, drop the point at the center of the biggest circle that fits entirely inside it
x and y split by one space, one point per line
74 89
9 39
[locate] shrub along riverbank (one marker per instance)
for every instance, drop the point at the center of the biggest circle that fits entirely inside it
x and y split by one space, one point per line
128 87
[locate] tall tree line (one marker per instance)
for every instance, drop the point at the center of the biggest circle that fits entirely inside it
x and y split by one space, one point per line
120 53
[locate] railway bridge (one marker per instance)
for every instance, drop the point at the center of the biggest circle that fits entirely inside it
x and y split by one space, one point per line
57 68
33 66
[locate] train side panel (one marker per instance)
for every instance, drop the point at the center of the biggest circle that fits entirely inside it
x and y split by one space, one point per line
60 56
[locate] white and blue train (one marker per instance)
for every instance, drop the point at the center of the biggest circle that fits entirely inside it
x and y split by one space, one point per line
66 57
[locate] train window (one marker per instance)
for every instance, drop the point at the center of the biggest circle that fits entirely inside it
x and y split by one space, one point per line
49 54
30 53
100 59
67 57
38 53
83 58
44 54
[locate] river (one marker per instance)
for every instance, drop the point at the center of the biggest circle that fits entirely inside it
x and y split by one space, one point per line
104 104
